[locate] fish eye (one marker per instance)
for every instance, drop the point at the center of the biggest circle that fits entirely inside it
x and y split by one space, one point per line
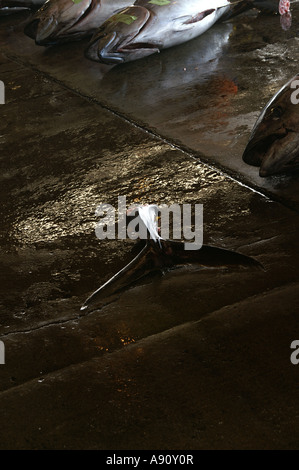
276 112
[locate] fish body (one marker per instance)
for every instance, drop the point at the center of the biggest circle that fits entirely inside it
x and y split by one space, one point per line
152 25
60 21
274 142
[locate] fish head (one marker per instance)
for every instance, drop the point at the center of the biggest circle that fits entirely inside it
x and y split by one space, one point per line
116 41
274 142
58 19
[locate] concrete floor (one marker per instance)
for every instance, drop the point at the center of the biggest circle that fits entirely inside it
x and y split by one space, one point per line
198 358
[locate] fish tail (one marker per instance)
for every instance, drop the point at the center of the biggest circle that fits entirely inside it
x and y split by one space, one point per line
139 267
160 257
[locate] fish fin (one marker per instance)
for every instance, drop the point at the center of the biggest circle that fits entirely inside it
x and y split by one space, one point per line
160 257
40 29
208 256
182 24
187 22
139 267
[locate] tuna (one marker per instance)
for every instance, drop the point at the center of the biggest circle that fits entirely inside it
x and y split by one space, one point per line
274 142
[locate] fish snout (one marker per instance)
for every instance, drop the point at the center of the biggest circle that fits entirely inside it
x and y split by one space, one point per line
101 49
282 157
117 40
252 155
60 21
41 30
260 143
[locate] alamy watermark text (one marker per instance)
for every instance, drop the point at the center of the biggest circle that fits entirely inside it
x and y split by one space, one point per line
2 353
187 223
295 94
2 93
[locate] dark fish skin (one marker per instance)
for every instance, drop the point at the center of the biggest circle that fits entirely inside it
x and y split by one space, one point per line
265 6
274 142
237 9
60 21
153 258
269 6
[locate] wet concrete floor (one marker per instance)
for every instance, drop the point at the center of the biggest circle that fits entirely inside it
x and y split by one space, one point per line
194 359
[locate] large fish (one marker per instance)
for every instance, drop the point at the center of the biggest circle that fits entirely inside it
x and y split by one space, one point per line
60 21
11 6
274 141
152 25
160 255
